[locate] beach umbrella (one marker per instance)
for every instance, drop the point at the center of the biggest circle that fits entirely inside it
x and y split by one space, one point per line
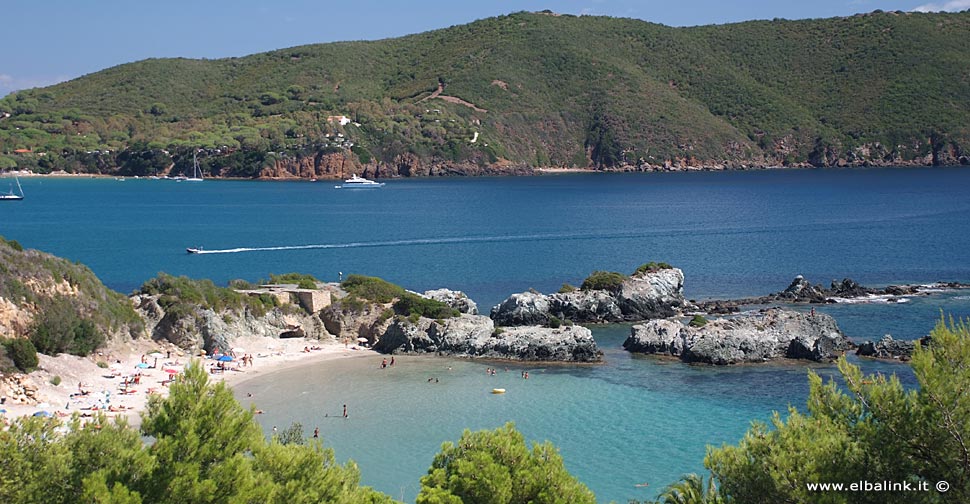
156 355
43 413
362 340
172 371
238 349
142 365
224 358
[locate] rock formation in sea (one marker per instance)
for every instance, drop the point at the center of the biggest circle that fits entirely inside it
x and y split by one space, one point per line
801 290
476 336
643 296
889 348
769 334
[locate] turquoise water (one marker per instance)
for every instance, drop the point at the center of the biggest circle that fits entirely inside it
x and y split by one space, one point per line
631 420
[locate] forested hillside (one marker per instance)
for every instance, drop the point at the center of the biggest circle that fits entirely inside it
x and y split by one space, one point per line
507 94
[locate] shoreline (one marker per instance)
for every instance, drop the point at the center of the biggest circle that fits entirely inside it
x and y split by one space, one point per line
85 387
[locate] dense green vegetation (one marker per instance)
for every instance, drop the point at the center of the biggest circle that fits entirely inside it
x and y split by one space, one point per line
603 280
497 467
651 267
302 280
206 449
72 310
184 295
21 353
868 428
371 288
378 290
538 89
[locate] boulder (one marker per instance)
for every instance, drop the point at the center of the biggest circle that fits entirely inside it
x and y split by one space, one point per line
802 290
525 308
770 334
476 336
455 299
889 348
649 295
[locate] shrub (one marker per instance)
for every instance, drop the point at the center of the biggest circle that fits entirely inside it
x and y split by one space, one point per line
60 329
698 321
352 303
554 322
23 354
498 331
302 280
373 289
240 284
603 280
102 364
566 288
55 380
414 317
386 314
651 267
410 304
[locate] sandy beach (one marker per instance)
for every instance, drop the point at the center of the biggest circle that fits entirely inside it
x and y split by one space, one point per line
88 388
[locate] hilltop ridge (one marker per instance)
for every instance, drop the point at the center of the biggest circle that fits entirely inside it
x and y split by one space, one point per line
512 93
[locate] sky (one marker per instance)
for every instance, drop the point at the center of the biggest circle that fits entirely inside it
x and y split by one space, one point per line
43 42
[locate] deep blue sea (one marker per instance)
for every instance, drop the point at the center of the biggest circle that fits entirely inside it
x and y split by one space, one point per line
631 420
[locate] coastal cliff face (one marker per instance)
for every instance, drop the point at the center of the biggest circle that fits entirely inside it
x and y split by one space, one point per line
649 295
476 336
341 165
206 329
36 287
767 335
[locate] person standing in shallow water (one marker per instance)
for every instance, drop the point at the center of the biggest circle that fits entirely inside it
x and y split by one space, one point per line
316 432
345 411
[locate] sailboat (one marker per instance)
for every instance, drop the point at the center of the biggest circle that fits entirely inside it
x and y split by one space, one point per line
196 171
12 196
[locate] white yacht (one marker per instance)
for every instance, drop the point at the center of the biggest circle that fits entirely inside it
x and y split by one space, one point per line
196 172
355 182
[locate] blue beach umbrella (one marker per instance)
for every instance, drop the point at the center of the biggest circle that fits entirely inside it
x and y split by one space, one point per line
43 413
142 365
225 358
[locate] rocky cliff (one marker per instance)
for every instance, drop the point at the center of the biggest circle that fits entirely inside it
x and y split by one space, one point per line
767 335
476 336
199 328
649 295
341 165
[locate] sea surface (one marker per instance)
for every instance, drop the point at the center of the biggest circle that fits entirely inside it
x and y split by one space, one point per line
629 421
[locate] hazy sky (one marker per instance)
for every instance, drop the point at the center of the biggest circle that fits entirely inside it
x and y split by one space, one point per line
47 41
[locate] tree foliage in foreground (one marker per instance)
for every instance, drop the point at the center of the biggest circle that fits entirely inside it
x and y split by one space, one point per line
868 429
206 449
496 467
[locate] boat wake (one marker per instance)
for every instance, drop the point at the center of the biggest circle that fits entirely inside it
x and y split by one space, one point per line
427 241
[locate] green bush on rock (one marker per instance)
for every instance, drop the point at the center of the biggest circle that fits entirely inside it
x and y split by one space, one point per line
651 267
603 280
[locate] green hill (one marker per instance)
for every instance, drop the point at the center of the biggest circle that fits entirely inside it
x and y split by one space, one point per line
532 90
61 306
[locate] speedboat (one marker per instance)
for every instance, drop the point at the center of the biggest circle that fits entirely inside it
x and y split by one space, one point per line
194 250
355 182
